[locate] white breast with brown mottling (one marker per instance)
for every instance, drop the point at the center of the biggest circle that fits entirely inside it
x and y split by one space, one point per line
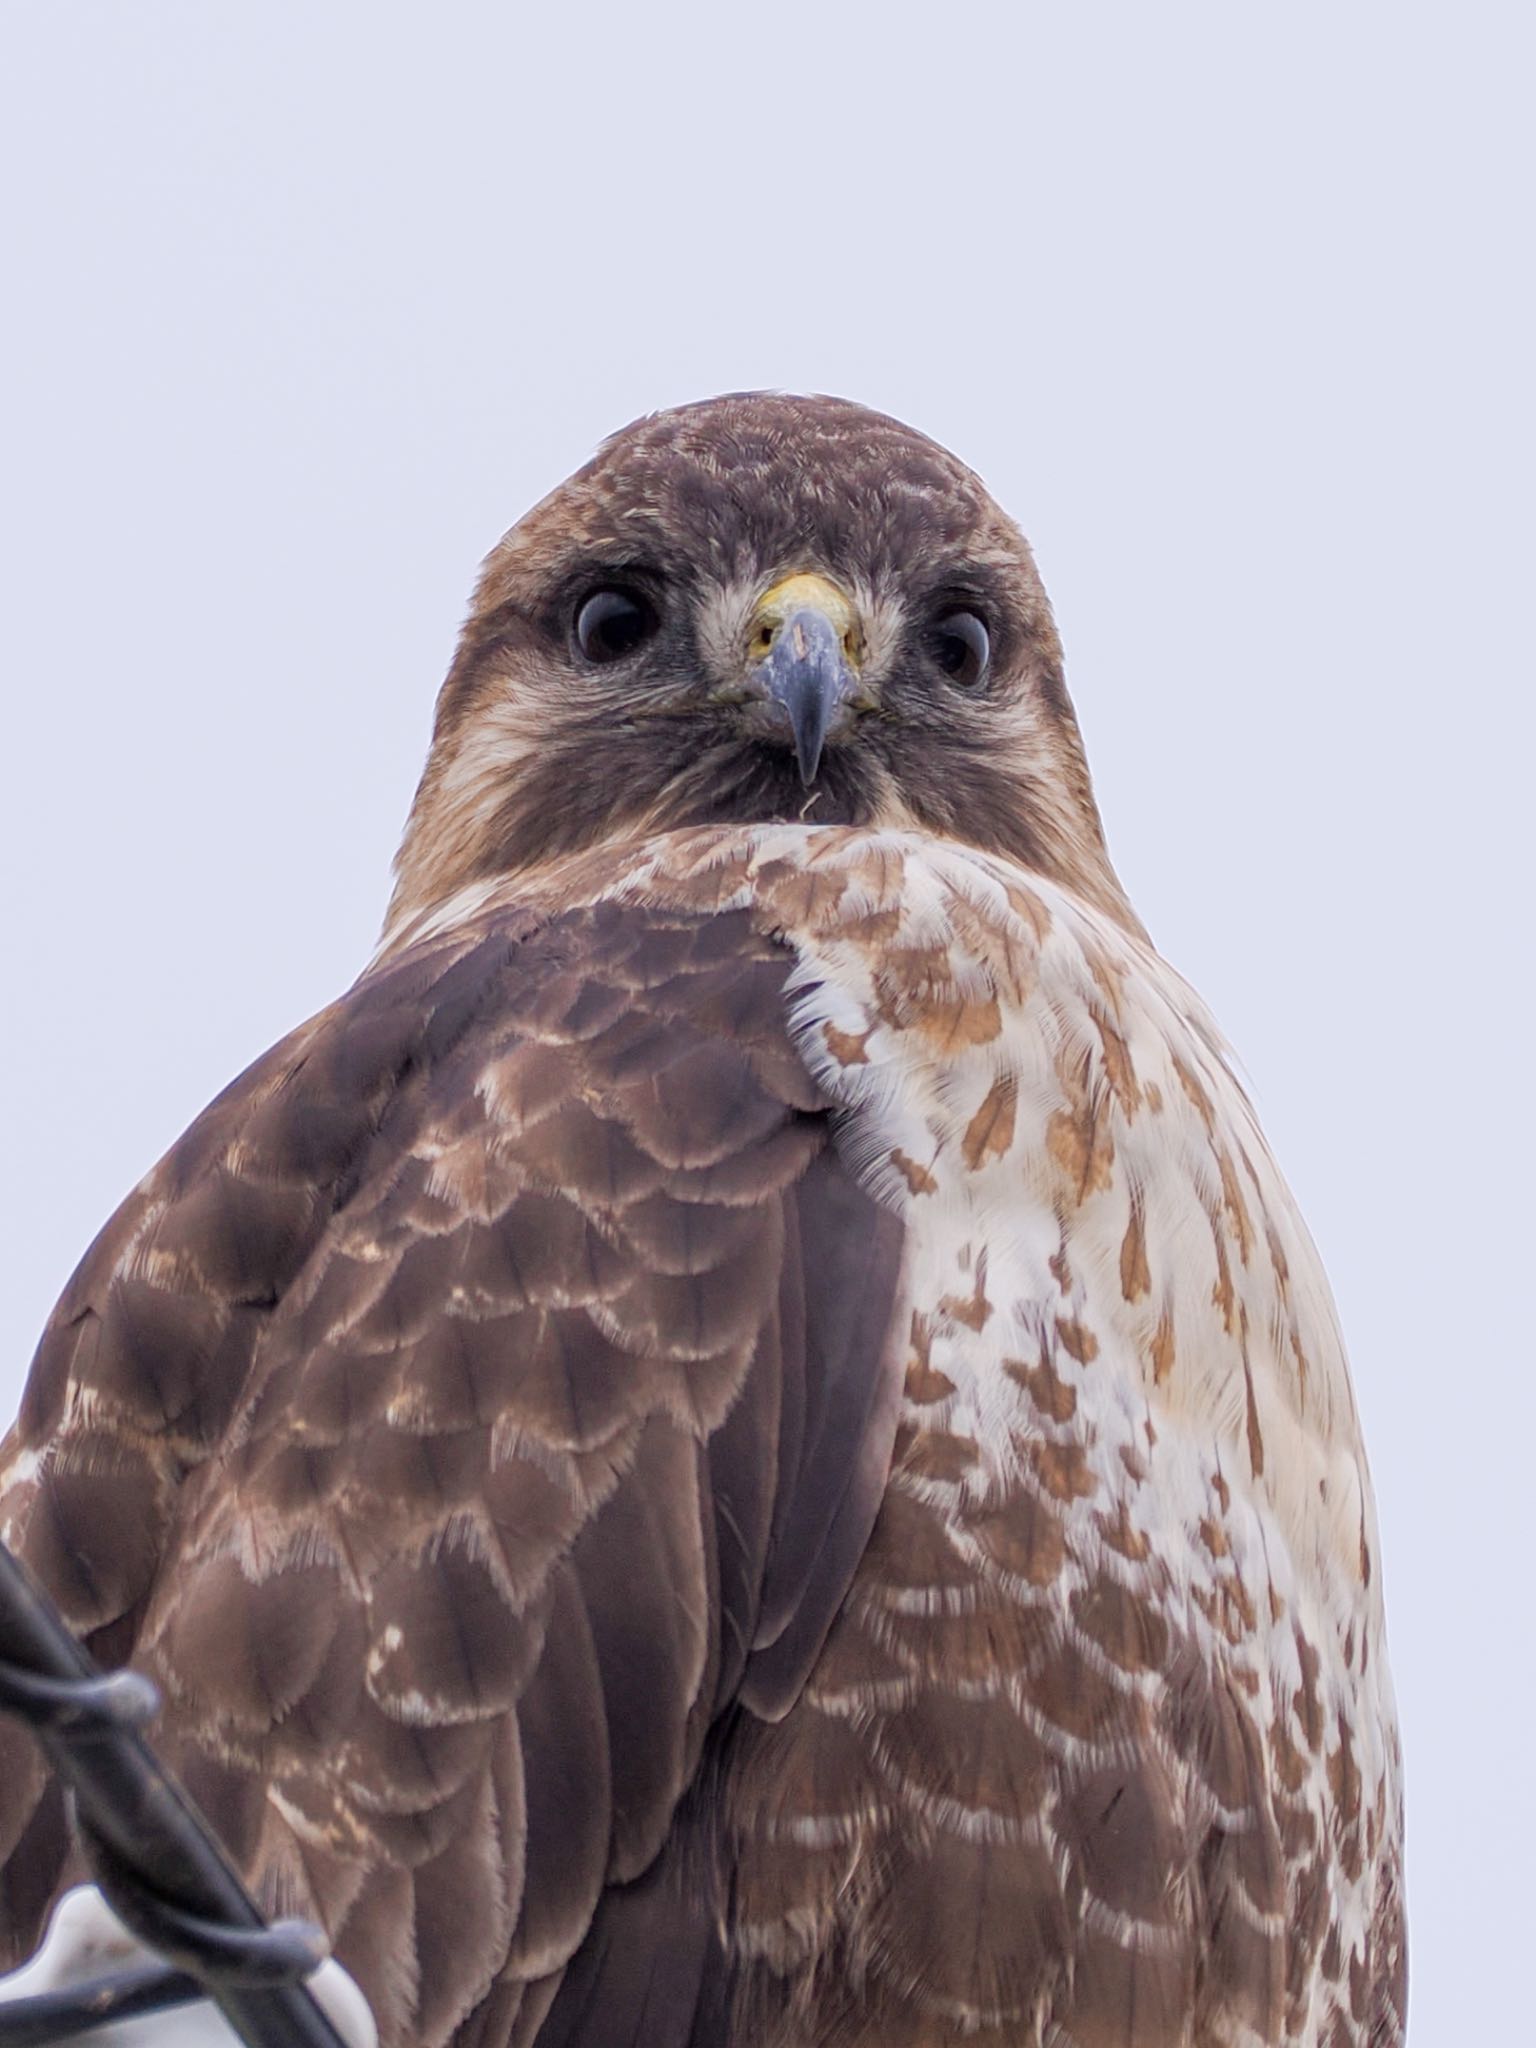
1115 1303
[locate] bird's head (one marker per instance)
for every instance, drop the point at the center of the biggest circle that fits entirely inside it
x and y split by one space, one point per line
757 608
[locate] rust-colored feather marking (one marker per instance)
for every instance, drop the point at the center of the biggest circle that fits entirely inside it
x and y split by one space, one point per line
989 1133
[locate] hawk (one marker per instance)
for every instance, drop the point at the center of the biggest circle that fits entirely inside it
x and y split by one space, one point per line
742 1445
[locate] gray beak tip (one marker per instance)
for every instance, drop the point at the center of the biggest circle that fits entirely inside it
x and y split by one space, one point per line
808 673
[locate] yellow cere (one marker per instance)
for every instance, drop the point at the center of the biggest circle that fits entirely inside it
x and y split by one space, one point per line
806 591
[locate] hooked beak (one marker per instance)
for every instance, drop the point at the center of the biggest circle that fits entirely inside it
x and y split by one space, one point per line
805 639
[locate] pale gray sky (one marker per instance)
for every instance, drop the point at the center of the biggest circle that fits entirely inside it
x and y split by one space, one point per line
306 302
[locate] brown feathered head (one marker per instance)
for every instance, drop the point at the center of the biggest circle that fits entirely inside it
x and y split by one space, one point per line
760 607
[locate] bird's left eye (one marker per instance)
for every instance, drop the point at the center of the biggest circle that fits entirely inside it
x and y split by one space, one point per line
613 622
961 646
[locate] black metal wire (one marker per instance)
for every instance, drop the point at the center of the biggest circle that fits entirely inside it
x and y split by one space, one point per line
154 1856
49 2017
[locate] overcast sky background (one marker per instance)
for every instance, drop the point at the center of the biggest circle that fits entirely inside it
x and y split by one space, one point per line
306 303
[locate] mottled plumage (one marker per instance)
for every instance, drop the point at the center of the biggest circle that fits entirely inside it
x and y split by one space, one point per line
743 1444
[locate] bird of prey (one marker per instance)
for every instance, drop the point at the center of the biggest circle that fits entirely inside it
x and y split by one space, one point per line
742 1444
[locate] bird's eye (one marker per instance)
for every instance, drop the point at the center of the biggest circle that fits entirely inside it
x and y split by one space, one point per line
611 623
962 647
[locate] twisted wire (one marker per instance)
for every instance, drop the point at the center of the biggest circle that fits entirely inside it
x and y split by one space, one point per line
153 1855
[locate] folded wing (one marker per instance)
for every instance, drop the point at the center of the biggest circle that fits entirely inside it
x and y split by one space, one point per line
493 1386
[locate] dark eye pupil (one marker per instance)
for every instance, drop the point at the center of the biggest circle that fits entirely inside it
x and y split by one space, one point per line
613 623
962 647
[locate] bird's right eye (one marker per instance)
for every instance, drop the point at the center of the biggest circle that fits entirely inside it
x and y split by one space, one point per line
613 622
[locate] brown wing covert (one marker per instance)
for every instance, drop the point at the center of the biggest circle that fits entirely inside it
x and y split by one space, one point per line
409 1425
